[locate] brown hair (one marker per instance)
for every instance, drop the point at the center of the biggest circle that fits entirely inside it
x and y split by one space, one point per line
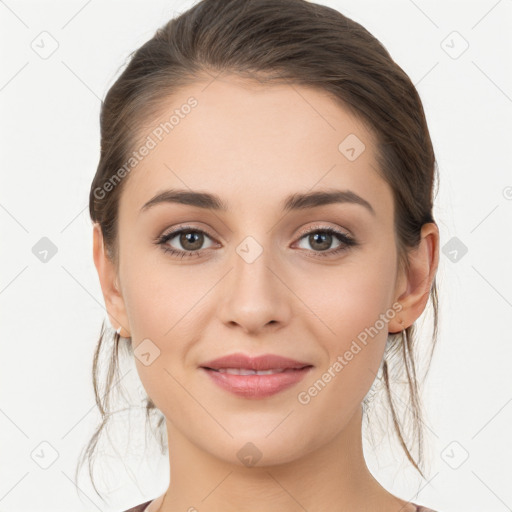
278 41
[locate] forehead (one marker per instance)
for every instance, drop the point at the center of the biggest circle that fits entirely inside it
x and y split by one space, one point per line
253 144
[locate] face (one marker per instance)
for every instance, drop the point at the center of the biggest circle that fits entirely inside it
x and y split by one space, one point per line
309 282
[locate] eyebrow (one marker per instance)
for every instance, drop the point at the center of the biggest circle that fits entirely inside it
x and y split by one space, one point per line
298 201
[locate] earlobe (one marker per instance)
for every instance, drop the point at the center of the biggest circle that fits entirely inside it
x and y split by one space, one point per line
107 274
418 279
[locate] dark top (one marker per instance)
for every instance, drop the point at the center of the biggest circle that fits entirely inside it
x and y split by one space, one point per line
142 506
139 508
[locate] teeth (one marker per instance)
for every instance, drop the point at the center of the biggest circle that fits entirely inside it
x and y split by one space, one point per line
245 371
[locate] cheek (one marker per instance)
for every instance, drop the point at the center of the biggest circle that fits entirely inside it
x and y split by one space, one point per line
163 305
352 312
349 300
160 299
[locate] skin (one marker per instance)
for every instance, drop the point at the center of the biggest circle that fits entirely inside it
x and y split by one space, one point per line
253 145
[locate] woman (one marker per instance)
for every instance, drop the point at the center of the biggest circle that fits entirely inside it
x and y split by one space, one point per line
264 240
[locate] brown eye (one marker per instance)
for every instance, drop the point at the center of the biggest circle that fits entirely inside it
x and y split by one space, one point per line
184 241
320 240
191 240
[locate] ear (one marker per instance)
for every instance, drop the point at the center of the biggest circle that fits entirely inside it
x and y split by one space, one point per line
414 285
108 277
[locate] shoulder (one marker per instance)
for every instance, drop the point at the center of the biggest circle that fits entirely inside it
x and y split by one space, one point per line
139 508
420 508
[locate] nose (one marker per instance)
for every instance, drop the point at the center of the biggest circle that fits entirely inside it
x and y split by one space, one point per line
254 295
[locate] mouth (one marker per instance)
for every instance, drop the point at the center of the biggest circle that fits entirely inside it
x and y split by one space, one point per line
255 377
248 371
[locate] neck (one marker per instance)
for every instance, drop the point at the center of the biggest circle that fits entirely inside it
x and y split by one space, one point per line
331 478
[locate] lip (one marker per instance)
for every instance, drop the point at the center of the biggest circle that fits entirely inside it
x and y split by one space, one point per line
263 362
290 372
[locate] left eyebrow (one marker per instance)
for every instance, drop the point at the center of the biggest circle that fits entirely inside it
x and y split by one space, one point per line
321 198
298 201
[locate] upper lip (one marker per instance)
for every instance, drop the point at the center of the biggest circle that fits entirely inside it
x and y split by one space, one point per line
263 362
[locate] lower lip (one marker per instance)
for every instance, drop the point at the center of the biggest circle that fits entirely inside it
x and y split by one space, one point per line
257 386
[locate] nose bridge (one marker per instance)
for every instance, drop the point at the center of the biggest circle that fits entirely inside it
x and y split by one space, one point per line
252 295
251 272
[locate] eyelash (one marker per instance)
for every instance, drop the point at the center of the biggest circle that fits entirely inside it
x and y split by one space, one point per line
346 240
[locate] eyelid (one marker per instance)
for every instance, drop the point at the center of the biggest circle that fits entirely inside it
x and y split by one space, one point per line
325 227
184 227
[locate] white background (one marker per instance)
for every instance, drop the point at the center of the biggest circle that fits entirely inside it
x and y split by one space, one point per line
51 312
